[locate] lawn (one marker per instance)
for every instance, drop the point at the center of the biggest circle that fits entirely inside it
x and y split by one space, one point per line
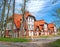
55 43
14 40
44 36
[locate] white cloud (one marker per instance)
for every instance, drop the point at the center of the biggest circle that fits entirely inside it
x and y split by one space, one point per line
36 5
33 5
19 1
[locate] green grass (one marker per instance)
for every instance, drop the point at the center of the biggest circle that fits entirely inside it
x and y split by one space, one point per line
14 40
45 36
55 43
59 33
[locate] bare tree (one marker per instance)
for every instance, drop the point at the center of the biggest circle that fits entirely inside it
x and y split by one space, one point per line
13 16
23 19
54 1
57 15
7 15
1 3
2 19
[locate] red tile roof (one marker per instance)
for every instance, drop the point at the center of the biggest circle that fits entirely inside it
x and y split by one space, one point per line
18 18
39 23
51 26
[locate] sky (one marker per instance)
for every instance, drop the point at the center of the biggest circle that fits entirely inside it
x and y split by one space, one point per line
41 9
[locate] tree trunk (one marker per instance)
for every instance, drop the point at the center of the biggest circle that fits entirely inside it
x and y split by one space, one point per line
23 19
7 17
13 17
2 19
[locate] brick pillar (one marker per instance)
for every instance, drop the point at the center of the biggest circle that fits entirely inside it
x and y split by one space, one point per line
18 34
46 32
27 33
6 33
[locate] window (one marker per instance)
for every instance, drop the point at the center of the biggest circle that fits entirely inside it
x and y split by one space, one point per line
32 20
45 25
28 19
52 27
37 28
29 27
32 27
20 19
41 25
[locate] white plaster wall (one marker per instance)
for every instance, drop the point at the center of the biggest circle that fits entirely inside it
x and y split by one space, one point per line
45 26
9 26
55 29
30 33
30 23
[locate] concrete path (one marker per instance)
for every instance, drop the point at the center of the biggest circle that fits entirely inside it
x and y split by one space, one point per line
36 42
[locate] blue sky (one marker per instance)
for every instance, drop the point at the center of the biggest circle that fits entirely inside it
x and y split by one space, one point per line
41 9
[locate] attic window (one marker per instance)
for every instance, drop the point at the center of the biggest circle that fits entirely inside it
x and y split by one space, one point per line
41 25
20 19
37 28
52 27
29 15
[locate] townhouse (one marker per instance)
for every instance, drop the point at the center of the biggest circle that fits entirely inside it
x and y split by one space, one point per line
52 28
32 26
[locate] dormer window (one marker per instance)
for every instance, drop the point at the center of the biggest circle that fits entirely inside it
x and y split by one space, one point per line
29 18
37 28
41 25
20 19
52 27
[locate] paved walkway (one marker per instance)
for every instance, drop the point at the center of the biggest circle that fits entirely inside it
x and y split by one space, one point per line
36 42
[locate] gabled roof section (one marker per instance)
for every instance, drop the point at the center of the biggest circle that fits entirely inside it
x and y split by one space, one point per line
51 25
38 23
18 18
29 14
